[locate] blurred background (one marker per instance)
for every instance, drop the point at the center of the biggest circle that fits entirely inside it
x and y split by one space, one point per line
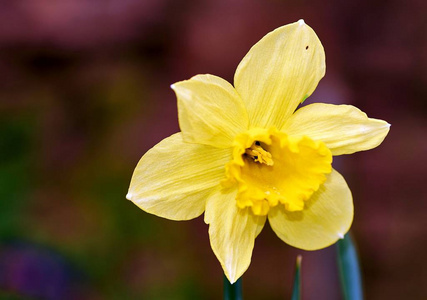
84 93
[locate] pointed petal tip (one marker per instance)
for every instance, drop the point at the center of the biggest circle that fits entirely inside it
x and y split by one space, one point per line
129 196
232 280
230 273
341 236
301 22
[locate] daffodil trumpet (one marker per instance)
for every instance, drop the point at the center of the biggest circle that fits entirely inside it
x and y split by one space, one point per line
245 154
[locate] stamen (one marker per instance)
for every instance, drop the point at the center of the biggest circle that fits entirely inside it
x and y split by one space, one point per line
258 154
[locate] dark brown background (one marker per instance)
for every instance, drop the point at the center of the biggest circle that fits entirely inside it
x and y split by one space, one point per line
84 92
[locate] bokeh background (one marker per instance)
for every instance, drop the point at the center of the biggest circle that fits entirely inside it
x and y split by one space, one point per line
84 92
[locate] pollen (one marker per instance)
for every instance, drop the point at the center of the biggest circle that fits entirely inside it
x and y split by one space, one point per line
271 168
258 154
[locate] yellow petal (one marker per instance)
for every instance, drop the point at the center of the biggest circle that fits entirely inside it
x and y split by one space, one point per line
327 216
343 128
173 179
232 232
279 72
210 111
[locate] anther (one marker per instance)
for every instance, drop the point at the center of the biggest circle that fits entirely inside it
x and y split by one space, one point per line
258 154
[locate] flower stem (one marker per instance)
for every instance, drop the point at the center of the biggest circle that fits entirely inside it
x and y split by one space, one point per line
232 291
348 263
296 290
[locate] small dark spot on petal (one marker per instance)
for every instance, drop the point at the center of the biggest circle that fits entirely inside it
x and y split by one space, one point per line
306 47
255 156
257 143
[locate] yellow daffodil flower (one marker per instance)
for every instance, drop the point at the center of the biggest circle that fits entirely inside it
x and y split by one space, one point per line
244 154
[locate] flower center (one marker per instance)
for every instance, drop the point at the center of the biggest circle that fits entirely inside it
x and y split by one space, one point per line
271 168
258 154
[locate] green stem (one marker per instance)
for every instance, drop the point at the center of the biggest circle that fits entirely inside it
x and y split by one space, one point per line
296 290
348 263
232 291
